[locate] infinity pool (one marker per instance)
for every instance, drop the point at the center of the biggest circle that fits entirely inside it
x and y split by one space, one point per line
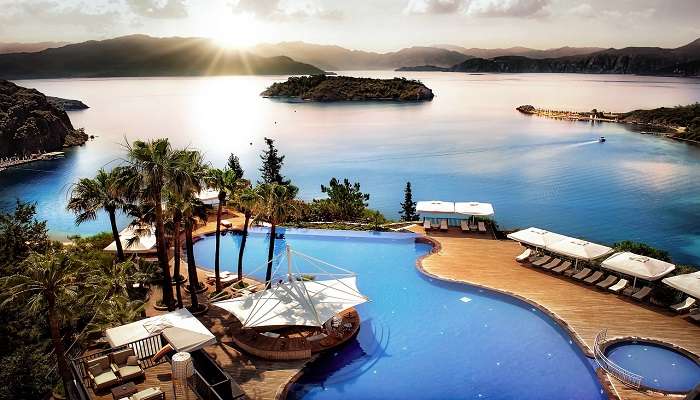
421 337
662 367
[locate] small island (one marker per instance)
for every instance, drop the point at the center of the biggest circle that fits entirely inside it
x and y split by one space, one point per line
67 104
423 68
681 122
324 88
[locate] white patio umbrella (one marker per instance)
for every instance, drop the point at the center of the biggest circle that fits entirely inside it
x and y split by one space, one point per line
209 196
135 240
647 268
536 237
686 283
579 249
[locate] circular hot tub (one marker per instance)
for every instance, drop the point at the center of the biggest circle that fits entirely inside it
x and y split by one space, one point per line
662 367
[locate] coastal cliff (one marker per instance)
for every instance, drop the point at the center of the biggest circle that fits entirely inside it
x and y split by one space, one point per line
343 88
30 123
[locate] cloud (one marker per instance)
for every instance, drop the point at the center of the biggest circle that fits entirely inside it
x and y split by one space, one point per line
158 8
433 6
584 10
281 10
47 13
508 8
480 8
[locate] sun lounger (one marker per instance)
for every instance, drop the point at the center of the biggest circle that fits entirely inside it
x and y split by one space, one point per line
607 282
482 226
223 274
443 224
582 274
552 264
473 227
695 316
542 261
151 393
426 225
101 374
619 286
595 277
642 293
434 225
684 305
126 364
566 265
226 224
464 225
522 257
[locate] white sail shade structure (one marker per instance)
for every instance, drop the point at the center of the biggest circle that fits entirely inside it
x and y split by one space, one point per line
179 328
295 303
579 249
647 268
474 208
435 206
686 283
135 240
209 196
536 237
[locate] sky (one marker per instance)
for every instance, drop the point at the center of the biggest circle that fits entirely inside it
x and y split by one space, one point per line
379 25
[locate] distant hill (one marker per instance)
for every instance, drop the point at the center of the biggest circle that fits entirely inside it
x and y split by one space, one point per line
344 88
521 51
687 118
140 55
681 61
341 59
6 48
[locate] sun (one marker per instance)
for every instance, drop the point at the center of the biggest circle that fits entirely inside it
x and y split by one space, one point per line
235 32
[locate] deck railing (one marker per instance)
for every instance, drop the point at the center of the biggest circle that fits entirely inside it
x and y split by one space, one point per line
628 378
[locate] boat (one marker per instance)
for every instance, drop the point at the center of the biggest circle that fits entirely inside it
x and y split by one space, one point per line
602 139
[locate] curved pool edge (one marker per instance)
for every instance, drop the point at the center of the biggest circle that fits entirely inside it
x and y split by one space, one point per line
603 377
647 389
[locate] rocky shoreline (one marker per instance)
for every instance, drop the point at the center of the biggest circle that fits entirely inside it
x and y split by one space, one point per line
67 104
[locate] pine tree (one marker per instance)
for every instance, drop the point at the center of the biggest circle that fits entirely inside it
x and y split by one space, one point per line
272 165
234 165
408 207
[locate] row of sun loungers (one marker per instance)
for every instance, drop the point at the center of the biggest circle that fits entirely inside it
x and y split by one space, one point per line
479 226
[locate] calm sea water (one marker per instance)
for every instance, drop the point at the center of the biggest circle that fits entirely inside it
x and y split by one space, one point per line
467 144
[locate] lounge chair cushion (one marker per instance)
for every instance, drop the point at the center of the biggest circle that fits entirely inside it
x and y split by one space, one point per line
95 370
105 379
120 357
146 394
132 360
684 305
129 371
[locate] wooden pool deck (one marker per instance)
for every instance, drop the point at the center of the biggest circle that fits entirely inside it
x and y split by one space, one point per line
157 376
585 310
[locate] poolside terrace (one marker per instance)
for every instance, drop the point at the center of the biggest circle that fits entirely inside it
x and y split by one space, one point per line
583 309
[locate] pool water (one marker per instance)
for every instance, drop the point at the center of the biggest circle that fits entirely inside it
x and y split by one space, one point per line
421 337
661 367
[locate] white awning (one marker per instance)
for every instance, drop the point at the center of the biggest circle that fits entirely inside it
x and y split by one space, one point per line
435 206
686 283
209 196
135 240
474 208
536 237
579 249
179 328
642 267
295 303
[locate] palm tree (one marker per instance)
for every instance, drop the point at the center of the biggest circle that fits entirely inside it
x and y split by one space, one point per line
246 203
227 182
116 311
116 278
48 283
104 192
276 204
157 166
193 211
175 206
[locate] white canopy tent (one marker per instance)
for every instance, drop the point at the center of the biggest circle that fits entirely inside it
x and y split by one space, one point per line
209 196
295 300
536 237
647 268
179 328
687 283
579 249
474 209
435 206
135 240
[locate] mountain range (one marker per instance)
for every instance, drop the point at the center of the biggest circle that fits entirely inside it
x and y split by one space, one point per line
140 55
6 48
565 51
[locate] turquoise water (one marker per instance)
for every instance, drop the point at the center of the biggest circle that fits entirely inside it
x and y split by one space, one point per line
661 367
423 338
467 144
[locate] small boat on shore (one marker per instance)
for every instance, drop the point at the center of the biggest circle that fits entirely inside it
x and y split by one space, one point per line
602 139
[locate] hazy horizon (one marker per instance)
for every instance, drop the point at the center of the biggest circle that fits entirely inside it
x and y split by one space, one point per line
380 26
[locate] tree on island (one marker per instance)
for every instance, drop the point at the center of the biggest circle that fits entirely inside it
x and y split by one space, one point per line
408 207
234 164
272 162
